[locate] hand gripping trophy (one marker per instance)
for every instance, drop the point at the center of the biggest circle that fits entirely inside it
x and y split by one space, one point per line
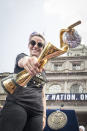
68 39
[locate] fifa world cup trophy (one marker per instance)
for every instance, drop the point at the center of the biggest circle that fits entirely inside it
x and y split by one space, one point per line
69 38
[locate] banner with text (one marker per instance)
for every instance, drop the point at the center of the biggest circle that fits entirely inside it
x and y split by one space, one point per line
67 96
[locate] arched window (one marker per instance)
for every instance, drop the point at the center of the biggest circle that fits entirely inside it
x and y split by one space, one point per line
75 88
54 89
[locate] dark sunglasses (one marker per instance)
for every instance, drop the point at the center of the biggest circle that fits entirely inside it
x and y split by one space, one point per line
39 44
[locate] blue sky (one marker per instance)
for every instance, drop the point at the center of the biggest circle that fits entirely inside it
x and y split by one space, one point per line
19 18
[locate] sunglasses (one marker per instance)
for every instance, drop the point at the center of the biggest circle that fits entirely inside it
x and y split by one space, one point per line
39 44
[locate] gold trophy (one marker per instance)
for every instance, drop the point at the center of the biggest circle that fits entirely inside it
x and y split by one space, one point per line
22 78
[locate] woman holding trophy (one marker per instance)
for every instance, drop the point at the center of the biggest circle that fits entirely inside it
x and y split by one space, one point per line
25 106
25 109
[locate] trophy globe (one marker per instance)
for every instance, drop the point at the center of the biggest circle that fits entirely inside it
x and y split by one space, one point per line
72 38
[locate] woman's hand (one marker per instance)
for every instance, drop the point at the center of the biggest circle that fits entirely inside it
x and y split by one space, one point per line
30 64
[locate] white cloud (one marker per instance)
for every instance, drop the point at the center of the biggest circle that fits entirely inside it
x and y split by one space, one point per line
65 7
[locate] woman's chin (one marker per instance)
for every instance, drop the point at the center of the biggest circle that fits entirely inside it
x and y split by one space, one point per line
35 54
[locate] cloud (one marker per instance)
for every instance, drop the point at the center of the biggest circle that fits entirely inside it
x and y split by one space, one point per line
62 11
65 8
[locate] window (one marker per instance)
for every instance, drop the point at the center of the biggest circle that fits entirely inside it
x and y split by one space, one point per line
57 67
54 89
78 54
76 66
76 89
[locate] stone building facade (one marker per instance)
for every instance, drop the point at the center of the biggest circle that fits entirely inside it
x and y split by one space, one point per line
66 85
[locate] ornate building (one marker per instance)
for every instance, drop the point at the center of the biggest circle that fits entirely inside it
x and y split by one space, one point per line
66 85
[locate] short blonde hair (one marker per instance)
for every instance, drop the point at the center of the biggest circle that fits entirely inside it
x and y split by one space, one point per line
36 34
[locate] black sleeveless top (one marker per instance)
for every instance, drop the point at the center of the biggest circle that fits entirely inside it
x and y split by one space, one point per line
30 97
